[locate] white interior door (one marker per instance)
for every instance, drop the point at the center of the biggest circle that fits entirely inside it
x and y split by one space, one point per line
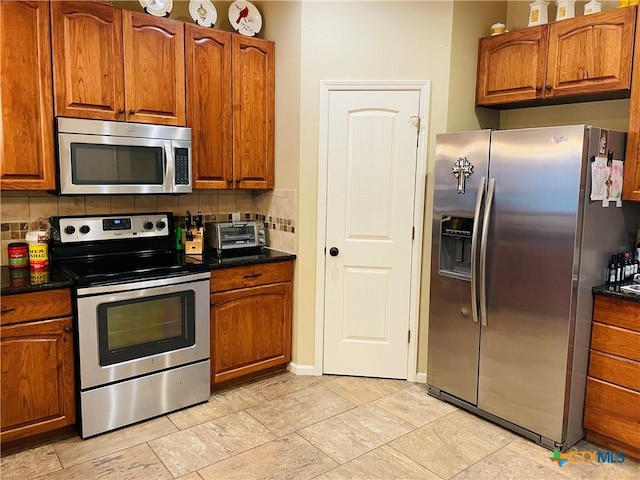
371 177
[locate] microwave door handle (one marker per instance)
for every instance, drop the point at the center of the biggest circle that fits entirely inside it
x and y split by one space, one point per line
169 167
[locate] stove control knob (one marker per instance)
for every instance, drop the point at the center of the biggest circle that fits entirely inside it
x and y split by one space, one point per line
260 232
148 225
69 229
84 229
261 240
160 225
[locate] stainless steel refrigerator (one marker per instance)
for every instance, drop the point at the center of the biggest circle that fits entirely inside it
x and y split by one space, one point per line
517 247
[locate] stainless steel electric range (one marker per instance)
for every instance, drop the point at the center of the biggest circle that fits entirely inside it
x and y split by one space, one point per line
142 317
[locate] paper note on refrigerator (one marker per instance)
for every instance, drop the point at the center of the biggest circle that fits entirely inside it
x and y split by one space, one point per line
616 174
599 175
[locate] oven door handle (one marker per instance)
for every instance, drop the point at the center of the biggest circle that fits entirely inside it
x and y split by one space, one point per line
143 284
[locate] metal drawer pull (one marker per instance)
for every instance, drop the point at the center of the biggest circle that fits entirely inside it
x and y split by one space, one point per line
7 310
253 275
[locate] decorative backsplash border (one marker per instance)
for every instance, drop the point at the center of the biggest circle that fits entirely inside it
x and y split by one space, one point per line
276 208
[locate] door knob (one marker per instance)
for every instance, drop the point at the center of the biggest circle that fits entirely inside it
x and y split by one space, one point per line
333 251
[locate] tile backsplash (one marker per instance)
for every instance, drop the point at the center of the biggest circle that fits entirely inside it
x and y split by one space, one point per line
277 208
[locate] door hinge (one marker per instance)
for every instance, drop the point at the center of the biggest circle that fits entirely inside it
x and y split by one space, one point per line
409 336
413 233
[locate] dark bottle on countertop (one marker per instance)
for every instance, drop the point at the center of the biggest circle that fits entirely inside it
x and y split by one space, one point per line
619 268
611 275
627 265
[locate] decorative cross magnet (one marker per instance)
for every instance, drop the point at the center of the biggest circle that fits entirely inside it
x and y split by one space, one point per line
462 170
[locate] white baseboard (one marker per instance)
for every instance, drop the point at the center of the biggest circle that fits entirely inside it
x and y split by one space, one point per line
301 369
421 377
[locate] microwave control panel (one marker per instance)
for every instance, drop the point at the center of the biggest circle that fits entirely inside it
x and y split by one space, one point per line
182 165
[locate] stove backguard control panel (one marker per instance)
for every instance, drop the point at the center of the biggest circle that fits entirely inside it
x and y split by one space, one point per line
115 227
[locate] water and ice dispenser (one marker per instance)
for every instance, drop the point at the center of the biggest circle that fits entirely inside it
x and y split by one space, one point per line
455 246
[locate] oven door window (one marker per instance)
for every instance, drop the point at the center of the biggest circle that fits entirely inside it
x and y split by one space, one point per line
94 164
137 328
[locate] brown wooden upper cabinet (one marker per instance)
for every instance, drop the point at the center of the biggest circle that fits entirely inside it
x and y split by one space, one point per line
114 64
587 57
26 105
631 186
231 101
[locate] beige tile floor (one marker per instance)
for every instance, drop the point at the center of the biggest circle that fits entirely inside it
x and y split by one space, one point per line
296 427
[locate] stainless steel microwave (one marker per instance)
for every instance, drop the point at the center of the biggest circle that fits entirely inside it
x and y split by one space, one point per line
102 157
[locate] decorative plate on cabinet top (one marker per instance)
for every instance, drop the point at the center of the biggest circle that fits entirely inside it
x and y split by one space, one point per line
159 8
203 12
245 18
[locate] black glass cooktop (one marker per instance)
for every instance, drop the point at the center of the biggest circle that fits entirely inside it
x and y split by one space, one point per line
130 266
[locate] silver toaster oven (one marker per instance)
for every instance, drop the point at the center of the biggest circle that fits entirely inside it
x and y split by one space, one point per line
230 237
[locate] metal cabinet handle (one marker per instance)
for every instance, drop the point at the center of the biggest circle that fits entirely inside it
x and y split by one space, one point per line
538 88
121 111
548 87
7 310
132 112
253 275
67 329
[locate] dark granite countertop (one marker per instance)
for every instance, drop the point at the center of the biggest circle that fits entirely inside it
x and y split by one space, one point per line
615 291
267 256
22 280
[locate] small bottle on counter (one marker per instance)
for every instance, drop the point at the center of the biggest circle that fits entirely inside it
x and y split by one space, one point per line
619 268
627 265
611 276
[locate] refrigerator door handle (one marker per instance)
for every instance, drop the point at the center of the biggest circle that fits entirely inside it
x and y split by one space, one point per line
483 252
474 250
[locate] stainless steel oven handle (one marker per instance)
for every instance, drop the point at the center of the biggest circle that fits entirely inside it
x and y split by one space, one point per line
143 284
483 252
474 250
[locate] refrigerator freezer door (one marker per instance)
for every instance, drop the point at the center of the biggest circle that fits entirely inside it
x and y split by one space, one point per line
452 363
531 268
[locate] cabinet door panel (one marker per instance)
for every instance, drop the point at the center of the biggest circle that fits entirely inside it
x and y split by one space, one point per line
253 112
250 330
511 66
37 378
26 98
613 411
87 60
154 69
208 61
591 53
631 187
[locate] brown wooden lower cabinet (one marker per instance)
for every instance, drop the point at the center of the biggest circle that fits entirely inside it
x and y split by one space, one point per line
38 387
251 311
612 403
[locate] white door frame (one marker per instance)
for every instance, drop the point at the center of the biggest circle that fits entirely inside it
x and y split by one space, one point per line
326 87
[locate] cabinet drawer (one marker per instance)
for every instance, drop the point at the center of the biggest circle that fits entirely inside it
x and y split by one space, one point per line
251 276
616 370
612 411
617 311
616 341
24 307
